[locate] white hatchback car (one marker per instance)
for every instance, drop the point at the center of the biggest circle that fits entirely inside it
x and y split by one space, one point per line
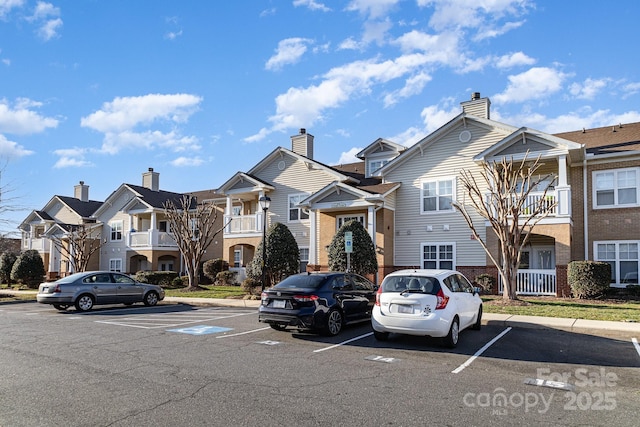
436 303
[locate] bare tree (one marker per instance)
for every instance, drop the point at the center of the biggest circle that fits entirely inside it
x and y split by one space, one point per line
193 226
77 244
8 203
501 196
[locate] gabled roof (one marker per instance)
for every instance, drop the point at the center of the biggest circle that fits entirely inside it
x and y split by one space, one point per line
35 216
84 209
150 198
241 178
606 140
539 143
380 145
311 164
424 143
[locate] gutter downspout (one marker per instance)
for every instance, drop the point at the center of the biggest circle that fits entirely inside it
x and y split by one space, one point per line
585 209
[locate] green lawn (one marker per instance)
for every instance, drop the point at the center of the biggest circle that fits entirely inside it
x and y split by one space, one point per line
209 291
626 311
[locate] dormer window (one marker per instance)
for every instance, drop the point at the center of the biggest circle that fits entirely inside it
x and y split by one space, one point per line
374 165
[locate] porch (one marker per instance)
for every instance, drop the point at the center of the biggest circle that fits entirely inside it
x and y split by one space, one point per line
534 282
150 238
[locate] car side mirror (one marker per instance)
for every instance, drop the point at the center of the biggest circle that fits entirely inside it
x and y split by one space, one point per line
477 290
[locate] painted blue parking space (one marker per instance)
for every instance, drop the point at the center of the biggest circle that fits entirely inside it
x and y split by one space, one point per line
201 330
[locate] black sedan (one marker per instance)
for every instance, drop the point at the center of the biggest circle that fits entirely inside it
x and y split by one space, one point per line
318 301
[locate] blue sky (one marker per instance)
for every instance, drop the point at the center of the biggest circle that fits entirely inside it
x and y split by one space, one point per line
101 90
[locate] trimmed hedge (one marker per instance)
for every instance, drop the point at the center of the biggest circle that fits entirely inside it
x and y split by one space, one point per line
212 267
160 278
589 279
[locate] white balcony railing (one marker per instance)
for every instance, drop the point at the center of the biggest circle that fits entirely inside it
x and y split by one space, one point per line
237 224
151 238
558 202
534 282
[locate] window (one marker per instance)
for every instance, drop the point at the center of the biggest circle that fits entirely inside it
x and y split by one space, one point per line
623 258
236 210
116 230
166 266
296 213
115 265
438 256
438 196
616 188
343 219
374 165
162 226
304 259
237 258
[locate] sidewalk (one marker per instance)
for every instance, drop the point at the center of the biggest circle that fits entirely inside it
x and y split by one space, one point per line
516 321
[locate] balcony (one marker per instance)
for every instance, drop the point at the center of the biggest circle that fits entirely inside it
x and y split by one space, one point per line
243 224
558 202
151 238
40 244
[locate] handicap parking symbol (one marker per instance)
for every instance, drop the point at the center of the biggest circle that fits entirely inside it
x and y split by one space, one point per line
201 330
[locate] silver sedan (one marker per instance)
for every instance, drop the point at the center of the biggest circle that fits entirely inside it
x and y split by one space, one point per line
84 290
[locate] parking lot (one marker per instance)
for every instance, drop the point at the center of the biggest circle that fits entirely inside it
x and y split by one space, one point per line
176 364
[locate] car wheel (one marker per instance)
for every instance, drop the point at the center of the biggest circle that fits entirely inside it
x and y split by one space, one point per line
451 340
476 326
61 307
381 336
334 323
151 298
278 326
84 302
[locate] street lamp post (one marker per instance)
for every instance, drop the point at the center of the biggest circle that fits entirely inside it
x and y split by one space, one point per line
264 203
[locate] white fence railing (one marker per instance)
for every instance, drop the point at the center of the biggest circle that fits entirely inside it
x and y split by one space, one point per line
534 282
237 224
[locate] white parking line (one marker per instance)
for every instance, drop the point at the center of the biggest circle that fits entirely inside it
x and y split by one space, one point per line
343 343
244 333
479 352
160 320
636 345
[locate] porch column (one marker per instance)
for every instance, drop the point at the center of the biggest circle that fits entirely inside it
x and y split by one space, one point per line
563 191
313 242
153 229
371 223
228 209
53 253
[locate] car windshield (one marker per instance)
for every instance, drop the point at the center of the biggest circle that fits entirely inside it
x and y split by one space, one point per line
301 281
405 284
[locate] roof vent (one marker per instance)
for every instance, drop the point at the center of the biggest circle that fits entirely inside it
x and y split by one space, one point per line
475 96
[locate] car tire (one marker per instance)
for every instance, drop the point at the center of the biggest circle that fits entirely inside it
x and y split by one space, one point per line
451 340
333 323
476 326
61 307
381 336
84 302
151 298
278 326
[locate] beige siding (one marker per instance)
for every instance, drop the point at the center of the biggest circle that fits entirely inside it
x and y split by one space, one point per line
63 214
295 178
519 148
446 157
112 250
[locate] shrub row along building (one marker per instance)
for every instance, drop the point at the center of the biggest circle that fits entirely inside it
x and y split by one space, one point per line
402 195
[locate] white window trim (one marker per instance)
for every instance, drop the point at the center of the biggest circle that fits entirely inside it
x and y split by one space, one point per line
454 187
615 205
363 215
302 197
370 170
111 226
618 283
117 261
453 261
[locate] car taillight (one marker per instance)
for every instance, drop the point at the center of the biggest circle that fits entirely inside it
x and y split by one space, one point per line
443 300
305 298
263 296
57 289
378 296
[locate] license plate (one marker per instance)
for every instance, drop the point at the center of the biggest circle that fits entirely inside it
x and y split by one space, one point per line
405 309
279 303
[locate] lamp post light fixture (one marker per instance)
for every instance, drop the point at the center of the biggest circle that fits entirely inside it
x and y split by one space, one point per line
264 203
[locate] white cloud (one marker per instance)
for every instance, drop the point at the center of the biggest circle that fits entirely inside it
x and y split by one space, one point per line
20 119
289 51
474 14
312 5
47 17
7 5
128 112
588 89
372 8
115 142
413 86
492 31
514 60
535 83
349 156
11 149
172 35
187 161
50 29
72 157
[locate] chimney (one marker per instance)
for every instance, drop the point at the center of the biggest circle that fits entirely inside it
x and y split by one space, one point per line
477 106
151 180
302 144
81 192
